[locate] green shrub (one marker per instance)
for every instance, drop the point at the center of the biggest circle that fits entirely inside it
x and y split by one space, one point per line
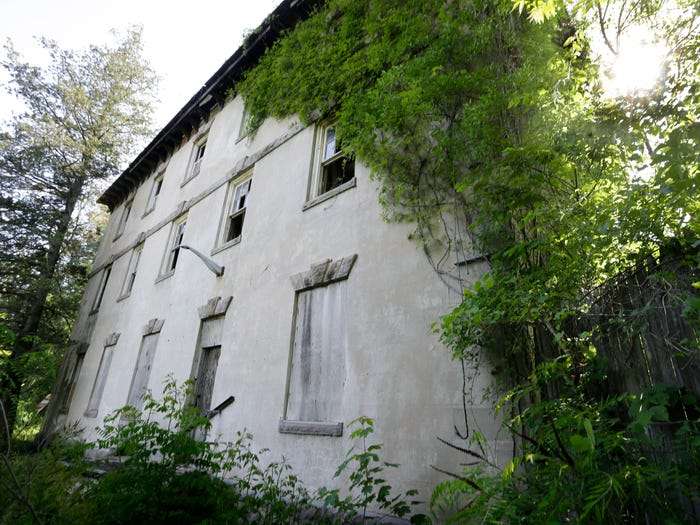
627 459
46 487
169 473
155 494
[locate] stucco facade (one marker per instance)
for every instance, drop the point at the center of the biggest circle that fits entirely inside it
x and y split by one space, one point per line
386 361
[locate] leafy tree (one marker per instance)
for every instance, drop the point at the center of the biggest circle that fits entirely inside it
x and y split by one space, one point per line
82 115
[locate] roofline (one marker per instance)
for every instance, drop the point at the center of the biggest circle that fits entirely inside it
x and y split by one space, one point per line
284 17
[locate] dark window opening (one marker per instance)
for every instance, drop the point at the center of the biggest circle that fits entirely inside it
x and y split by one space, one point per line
200 150
235 225
337 172
199 154
103 287
177 241
70 385
336 168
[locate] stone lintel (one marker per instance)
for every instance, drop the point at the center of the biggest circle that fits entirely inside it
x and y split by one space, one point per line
112 339
215 307
324 273
311 428
153 327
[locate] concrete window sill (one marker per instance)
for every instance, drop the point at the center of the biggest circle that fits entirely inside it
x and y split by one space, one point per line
232 242
90 413
311 428
330 194
148 212
165 276
123 297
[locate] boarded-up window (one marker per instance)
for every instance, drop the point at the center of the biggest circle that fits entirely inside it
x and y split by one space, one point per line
317 374
142 372
206 375
100 381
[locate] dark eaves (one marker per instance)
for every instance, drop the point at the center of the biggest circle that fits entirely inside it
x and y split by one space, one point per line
287 14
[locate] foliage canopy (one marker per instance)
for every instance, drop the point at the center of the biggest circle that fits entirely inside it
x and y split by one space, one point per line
486 124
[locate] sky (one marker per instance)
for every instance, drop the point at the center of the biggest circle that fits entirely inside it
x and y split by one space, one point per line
185 41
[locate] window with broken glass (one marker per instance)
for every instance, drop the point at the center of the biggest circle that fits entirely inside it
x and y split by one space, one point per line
123 219
334 167
155 191
236 211
197 157
173 247
130 277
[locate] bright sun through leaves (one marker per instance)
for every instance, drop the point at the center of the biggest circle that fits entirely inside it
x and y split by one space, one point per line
638 65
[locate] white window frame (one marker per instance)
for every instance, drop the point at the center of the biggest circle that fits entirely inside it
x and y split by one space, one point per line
232 208
172 249
320 160
153 195
131 271
124 218
99 296
199 151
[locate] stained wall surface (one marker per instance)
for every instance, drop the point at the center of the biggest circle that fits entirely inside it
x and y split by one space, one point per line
384 362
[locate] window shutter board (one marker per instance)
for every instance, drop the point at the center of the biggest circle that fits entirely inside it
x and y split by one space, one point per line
142 370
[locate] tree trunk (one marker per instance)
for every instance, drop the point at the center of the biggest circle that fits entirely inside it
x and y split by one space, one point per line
11 382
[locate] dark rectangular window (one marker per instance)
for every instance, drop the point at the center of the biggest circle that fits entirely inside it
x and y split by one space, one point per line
336 168
198 156
103 286
177 241
236 216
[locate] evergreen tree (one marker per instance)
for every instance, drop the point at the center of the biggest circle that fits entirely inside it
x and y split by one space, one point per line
82 116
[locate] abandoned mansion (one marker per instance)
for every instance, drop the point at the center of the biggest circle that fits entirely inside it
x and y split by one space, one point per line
259 266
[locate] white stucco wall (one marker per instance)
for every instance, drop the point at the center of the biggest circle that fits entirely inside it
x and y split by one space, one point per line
396 370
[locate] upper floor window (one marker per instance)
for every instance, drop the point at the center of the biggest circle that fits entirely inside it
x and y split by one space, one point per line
332 168
245 121
237 200
101 290
197 155
155 191
172 254
130 277
123 219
